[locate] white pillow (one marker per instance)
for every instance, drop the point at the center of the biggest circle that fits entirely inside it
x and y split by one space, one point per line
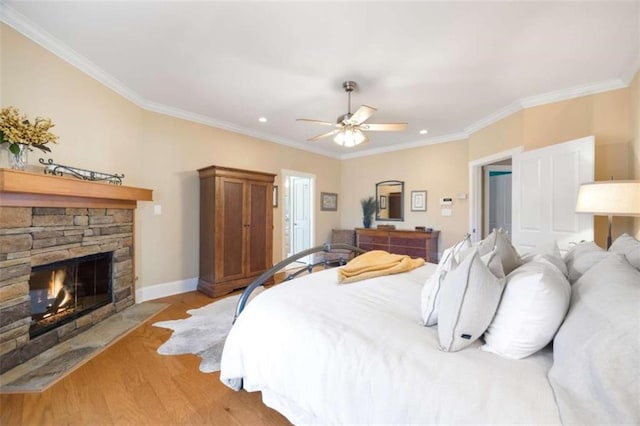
549 247
628 246
499 241
469 297
582 257
453 253
533 305
595 353
431 288
550 252
429 297
488 243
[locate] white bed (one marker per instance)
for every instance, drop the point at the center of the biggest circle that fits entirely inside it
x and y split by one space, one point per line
307 346
327 353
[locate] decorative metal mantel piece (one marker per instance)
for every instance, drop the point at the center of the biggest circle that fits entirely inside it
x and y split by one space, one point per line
52 168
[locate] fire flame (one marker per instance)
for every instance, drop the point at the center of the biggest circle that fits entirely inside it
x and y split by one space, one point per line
56 282
56 290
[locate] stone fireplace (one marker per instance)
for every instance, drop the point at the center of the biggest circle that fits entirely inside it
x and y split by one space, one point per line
73 236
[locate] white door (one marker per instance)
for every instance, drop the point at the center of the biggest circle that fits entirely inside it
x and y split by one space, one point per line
300 213
545 188
497 201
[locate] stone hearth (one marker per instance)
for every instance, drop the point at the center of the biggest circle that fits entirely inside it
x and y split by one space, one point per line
38 226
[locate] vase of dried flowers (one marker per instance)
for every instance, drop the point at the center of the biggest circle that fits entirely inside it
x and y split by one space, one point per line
22 135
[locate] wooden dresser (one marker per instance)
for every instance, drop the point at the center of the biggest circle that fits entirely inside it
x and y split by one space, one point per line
236 228
412 243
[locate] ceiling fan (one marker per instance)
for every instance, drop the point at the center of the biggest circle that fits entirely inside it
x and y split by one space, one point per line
349 127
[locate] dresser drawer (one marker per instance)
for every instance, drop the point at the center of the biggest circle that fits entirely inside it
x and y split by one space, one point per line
407 242
373 239
369 246
409 251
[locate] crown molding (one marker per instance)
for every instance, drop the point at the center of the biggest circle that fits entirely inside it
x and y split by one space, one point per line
408 145
546 98
30 30
572 92
492 118
36 34
207 121
631 70
41 37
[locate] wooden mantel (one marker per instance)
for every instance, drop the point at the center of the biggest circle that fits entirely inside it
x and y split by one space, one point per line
26 189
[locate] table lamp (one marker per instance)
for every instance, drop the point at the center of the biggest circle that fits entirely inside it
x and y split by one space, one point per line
609 198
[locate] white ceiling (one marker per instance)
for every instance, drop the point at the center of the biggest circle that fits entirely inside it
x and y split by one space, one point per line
449 67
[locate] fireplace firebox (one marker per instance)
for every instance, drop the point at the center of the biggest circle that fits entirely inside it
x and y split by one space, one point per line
63 291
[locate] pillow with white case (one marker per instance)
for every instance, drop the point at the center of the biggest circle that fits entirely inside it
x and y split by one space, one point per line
595 368
582 257
431 288
629 247
469 297
498 240
533 305
550 252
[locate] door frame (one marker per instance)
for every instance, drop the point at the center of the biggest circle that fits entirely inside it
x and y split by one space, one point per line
286 174
475 188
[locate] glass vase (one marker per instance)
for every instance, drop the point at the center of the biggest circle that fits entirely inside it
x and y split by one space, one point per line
19 161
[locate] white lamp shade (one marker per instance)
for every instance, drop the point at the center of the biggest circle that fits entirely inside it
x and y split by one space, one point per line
611 198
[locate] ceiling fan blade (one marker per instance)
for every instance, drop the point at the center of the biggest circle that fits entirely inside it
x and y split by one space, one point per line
384 127
324 135
361 115
308 120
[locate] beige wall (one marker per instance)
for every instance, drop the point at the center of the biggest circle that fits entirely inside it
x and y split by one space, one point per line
100 130
500 136
421 169
612 117
607 116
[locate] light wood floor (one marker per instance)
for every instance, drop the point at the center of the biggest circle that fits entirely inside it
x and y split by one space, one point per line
129 383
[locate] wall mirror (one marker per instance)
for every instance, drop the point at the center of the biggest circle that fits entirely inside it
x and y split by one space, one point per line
390 196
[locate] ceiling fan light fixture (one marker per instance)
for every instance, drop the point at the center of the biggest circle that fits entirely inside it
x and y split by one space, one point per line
350 126
349 137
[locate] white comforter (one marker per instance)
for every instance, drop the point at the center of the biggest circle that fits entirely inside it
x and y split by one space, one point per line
330 353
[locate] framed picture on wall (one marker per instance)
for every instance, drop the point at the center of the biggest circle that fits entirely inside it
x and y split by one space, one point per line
328 201
382 203
418 201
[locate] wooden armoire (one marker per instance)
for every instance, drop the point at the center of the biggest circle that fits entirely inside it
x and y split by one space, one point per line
236 228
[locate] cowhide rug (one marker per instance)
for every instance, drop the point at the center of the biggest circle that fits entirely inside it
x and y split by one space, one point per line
202 334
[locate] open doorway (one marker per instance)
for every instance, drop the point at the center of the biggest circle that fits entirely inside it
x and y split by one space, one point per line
480 198
545 185
298 217
497 197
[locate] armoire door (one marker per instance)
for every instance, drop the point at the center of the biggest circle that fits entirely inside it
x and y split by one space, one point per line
260 221
230 229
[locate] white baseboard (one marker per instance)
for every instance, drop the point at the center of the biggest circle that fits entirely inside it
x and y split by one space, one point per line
165 289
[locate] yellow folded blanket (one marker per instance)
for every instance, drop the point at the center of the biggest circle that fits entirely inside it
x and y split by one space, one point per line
376 263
